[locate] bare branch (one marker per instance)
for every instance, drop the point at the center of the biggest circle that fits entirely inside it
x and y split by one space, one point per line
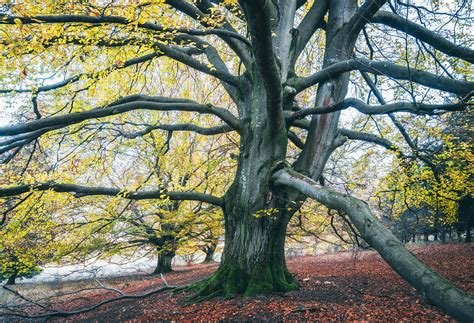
424 34
123 105
368 137
384 68
81 191
404 106
89 308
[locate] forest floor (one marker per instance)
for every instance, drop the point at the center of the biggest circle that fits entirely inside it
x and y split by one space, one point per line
335 286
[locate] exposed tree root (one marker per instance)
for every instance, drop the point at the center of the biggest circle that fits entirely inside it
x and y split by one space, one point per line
229 281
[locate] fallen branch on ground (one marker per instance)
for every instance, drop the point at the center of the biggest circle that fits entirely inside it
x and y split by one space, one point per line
123 296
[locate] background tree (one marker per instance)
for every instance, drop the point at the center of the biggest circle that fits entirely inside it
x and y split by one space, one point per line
263 78
431 192
27 241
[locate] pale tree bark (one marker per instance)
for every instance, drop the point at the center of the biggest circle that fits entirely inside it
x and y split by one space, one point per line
427 282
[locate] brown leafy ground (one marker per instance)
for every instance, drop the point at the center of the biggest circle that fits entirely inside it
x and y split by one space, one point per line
334 286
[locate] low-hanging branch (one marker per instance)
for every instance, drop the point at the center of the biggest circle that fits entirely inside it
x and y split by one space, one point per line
81 191
122 106
384 68
435 288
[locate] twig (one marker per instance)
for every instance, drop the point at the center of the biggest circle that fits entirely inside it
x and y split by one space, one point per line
164 280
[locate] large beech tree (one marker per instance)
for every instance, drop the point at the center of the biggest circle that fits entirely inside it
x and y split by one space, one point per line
268 55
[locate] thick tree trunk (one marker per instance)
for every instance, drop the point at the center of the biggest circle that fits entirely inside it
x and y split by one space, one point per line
428 283
255 217
253 260
163 263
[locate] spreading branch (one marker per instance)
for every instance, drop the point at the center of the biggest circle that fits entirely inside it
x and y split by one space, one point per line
384 68
404 106
81 191
137 102
10 19
424 34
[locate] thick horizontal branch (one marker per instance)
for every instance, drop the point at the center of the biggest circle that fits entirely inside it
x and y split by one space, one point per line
361 106
384 68
433 39
81 191
206 131
123 105
9 19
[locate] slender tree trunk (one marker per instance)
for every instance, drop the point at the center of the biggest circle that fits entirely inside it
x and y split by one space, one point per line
163 263
443 235
209 251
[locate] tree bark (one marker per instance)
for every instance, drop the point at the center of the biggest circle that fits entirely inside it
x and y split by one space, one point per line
163 263
255 217
428 283
11 280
